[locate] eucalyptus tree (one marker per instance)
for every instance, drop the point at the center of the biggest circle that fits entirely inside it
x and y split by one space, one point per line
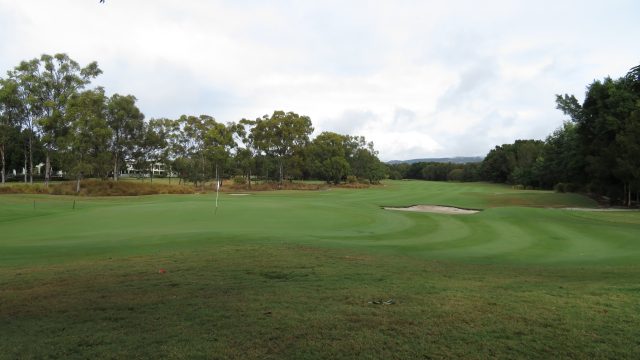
10 108
281 135
127 123
58 78
366 165
86 144
26 76
192 142
172 149
246 156
218 143
152 145
327 153
363 159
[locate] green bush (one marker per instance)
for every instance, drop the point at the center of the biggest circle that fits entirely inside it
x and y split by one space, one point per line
352 179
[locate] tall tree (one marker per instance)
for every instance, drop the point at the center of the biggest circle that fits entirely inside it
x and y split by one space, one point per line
126 122
363 159
605 128
498 164
245 157
26 75
151 148
563 157
10 108
192 141
328 157
281 135
58 78
218 142
87 142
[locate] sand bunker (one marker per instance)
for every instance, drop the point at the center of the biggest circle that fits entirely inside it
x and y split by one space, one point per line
435 209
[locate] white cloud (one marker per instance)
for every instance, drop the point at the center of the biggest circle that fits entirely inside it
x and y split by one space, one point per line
417 78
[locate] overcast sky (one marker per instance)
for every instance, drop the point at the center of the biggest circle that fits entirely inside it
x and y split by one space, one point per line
418 78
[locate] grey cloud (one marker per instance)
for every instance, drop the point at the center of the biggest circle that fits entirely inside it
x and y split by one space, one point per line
472 82
478 139
404 118
165 89
352 122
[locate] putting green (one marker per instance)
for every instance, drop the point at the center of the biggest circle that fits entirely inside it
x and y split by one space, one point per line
514 226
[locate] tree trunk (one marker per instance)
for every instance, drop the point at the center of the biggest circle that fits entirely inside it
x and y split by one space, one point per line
47 168
31 159
151 173
249 179
281 176
78 183
202 159
3 162
115 168
629 197
25 165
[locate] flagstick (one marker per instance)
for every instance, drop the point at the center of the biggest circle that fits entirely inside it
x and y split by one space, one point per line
217 193
217 190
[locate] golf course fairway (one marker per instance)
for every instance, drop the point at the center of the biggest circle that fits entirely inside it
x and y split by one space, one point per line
306 274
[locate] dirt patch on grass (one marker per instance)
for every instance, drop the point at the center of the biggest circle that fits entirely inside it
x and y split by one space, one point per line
435 209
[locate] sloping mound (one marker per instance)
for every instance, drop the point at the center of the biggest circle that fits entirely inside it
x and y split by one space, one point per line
435 209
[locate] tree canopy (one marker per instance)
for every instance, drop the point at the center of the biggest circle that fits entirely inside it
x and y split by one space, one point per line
48 112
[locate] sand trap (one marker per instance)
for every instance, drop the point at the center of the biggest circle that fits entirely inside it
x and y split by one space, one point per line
239 194
435 209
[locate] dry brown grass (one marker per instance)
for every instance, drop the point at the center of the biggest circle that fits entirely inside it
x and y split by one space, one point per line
98 188
269 186
95 187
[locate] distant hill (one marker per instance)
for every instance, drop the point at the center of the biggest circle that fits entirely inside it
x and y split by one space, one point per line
453 160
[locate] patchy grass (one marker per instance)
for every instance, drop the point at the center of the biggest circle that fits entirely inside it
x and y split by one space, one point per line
287 301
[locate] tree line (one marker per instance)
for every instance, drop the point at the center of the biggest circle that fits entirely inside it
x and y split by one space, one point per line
596 151
49 115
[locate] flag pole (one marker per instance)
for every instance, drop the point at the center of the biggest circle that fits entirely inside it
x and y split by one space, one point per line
217 189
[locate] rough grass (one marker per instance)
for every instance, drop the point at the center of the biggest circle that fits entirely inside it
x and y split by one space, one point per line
136 187
229 186
291 274
94 187
300 302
